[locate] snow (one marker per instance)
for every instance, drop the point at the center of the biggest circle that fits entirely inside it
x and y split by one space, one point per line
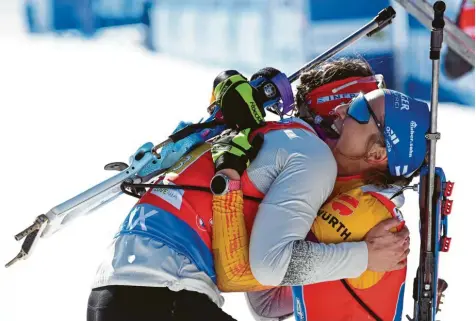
70 106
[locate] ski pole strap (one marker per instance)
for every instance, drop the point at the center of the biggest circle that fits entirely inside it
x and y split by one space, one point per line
359 300
190 129
184 187
184 133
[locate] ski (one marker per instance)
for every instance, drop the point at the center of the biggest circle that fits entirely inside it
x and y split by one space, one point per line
149 160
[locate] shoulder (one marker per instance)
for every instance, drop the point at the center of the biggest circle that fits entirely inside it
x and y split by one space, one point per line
371 201
350 215
292 151
295 139
374 203
385 199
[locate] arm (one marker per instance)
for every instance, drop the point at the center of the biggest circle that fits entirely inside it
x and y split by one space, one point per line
229 235
272 304
279 254
230 245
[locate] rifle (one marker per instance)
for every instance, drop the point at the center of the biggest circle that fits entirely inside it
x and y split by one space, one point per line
434 204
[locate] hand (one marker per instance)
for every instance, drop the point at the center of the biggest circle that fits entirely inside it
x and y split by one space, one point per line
387 250
232 150
240 103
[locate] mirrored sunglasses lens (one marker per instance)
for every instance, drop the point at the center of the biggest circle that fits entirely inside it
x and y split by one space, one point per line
358 110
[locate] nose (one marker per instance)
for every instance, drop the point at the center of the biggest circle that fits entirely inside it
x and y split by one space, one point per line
341 110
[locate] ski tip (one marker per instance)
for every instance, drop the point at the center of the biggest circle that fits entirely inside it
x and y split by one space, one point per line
15 259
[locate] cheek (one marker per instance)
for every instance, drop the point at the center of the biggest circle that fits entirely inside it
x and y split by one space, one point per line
353 138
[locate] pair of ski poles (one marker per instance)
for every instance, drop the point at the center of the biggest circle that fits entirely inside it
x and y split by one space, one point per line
93 198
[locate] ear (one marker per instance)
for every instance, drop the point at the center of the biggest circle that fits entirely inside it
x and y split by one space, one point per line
377 155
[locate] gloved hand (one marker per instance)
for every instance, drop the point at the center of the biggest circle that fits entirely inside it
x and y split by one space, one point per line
232 150
241 105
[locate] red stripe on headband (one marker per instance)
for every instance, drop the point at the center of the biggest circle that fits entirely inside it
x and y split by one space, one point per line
324 99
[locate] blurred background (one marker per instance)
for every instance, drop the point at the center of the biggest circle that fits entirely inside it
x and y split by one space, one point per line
250 34
86 82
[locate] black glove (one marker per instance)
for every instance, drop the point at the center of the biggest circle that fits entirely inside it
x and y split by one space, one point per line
233 150
241 104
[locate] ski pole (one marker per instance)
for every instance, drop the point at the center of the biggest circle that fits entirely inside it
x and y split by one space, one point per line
383 19
433 136
430 280
454 37
147 156
427 280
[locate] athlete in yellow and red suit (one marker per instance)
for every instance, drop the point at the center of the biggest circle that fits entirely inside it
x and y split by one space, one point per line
349 213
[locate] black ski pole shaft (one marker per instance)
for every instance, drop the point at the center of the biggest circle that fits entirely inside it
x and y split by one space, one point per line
383 19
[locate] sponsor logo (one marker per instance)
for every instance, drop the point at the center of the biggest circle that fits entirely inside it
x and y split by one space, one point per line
337 225
171 196
224 87
389 145
181 162
187 160
345 204
413 125
326 99
392 136
298 309
399 170
398 214
290 133
255 111
200 223
269 90
404 103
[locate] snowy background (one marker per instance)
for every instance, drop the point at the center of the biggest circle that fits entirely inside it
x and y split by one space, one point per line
69 106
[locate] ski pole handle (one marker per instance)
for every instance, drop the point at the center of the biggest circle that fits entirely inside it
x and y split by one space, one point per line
438 24
383 19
